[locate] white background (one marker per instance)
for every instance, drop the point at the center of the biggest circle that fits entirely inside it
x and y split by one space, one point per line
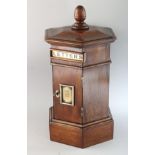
55 13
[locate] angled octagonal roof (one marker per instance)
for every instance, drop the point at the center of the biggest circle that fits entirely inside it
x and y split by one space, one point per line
80 33
67 34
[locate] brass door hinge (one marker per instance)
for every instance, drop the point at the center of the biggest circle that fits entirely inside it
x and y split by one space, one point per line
82 80
82 111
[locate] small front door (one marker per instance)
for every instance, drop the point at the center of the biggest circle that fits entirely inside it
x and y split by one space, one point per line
67 90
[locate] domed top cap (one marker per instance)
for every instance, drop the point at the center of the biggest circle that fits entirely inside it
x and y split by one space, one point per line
80 16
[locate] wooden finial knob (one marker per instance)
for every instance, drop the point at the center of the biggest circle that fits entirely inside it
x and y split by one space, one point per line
80 16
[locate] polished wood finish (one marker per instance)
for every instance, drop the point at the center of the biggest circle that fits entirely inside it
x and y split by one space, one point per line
93 55
80 16
68 76
67 134
89 121
81 136
95 92
65 36
97 54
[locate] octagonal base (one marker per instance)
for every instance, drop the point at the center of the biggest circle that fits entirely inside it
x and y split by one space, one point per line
81 135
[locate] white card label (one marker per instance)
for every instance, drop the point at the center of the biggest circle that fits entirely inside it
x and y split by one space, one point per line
67 55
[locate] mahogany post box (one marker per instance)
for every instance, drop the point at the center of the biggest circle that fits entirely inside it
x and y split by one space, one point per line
80 58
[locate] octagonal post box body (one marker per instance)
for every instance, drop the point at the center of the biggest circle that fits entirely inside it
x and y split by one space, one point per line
80 57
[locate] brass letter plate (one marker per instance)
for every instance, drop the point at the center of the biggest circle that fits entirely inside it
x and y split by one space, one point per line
67 95
67 55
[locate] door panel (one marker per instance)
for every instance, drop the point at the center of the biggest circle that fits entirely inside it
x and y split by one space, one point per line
67 87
